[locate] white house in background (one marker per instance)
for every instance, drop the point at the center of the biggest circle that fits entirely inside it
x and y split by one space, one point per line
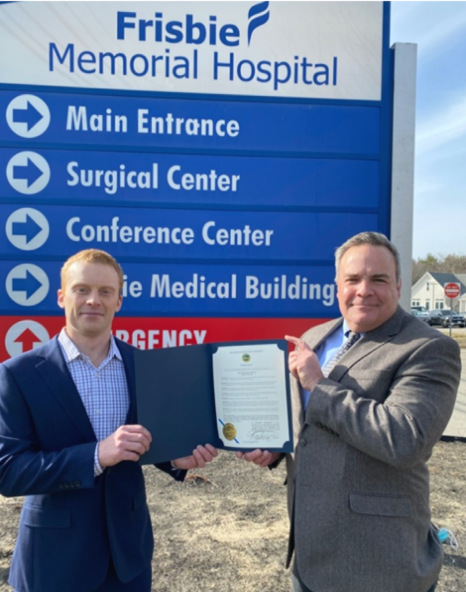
428 291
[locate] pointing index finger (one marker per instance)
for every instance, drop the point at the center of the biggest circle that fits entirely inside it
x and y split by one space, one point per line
295 340
300 343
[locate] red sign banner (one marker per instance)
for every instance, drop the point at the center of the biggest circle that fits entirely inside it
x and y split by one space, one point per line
19 334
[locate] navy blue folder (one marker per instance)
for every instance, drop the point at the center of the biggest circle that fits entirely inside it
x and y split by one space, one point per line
176 403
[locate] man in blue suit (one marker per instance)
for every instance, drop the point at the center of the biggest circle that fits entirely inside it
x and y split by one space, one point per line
70 442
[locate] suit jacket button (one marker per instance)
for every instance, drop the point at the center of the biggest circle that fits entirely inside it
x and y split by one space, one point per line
303 442
319 425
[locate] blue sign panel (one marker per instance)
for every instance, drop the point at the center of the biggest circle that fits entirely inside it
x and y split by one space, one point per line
103 121
128 177
146 233
187 289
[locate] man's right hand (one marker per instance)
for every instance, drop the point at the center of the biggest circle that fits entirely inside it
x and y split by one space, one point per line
128 442
304 364
262 458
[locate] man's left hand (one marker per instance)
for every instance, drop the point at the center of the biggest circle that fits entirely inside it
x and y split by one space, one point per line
199 458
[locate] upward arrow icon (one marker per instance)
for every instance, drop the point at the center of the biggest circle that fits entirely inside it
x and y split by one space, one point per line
27 339
24 336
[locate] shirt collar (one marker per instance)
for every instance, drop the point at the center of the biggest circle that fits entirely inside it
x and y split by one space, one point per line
346 330
71 351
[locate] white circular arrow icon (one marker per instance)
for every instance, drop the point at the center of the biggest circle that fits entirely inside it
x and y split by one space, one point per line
28 116
27 284
28 172
24 336
27 229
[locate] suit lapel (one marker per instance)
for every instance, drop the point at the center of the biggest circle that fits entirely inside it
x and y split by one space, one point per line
320 333
126 352
53 370
371 341
314 338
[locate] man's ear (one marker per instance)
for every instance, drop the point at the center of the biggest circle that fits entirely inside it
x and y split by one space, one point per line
60 298
120 302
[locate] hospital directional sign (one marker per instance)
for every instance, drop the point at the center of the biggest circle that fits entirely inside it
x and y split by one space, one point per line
195 180
188 289
178 234
138 121
220 151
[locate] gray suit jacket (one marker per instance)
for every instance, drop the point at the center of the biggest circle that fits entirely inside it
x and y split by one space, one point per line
358 479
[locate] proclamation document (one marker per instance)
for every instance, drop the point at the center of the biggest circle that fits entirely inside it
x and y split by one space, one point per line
235 396
251 399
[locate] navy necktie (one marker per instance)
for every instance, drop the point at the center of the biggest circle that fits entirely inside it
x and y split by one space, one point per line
330 365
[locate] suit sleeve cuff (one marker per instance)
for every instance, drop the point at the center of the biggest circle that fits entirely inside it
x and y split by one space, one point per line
98 470
275 464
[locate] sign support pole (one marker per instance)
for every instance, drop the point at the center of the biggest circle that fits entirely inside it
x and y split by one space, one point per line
404 107
451 308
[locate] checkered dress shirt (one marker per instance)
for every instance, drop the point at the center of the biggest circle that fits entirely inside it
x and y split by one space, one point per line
103 390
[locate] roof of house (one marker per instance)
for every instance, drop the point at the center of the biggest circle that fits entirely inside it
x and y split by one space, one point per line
446 278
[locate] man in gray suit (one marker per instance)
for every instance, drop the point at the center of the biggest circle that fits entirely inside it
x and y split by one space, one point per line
365 422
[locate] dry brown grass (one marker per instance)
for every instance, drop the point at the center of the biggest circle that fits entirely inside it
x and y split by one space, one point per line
226 529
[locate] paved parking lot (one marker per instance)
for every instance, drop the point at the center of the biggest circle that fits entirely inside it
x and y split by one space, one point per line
457 424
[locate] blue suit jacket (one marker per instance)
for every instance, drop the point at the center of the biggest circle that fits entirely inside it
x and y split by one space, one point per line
71 522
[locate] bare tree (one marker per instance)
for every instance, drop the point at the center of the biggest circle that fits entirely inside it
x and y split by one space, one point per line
438 264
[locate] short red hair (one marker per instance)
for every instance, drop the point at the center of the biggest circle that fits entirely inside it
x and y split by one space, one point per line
92 256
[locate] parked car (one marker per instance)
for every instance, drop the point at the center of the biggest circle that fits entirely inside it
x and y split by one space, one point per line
444 316
422 316
454 319
419 308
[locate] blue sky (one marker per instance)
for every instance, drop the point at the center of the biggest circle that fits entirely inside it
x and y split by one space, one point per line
439 30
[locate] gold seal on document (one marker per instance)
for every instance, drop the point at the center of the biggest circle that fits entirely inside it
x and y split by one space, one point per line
229 431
